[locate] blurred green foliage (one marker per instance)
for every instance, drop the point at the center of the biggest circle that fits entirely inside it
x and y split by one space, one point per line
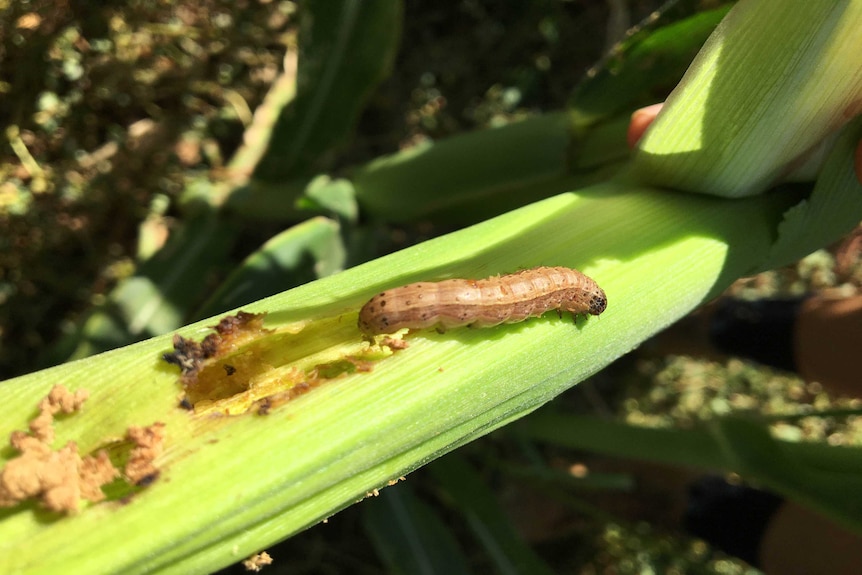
125 211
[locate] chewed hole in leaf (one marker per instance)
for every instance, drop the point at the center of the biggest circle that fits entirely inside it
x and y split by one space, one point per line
243 367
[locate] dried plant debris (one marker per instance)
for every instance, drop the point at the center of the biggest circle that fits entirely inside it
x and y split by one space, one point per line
394 344
58 399
60 479
148 446
224 364
231 332
257 561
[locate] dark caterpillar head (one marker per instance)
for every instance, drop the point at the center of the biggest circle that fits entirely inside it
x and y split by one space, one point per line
598 302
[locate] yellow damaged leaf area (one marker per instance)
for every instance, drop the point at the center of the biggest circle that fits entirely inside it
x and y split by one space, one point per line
243 367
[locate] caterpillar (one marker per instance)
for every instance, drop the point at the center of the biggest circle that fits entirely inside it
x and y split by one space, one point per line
482 303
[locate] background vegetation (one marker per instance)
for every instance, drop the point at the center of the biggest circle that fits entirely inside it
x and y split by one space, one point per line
125 121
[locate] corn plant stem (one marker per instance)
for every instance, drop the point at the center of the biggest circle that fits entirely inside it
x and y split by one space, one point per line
233 485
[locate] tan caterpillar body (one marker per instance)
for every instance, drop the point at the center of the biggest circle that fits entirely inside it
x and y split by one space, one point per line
482 303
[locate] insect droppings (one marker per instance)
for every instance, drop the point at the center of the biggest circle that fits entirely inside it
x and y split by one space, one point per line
482 303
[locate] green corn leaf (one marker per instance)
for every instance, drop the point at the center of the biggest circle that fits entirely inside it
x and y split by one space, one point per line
236 478
645 65
361 430
346 49
768 87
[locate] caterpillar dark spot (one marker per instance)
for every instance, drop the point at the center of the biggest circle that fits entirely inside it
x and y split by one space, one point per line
482 303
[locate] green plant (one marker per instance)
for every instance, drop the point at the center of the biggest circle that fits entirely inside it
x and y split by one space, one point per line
246 480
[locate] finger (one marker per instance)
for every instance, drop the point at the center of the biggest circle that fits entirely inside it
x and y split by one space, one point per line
641 119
